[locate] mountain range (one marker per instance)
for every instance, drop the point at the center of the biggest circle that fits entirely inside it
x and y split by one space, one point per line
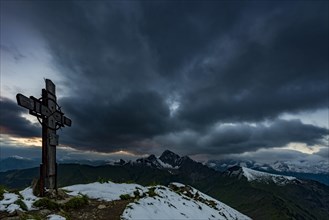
17 163
302 169
298 166
257 194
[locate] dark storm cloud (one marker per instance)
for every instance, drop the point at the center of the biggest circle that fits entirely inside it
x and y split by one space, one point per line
323 152
12 123
178 32
119 123
284 72
240 138
284 155
231 62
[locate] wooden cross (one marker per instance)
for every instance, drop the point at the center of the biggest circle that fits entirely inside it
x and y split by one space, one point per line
51 117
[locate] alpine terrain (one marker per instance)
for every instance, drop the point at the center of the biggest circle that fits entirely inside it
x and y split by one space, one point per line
257 194
101 200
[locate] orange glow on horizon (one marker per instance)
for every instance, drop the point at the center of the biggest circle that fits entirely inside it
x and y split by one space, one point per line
35 141
124 153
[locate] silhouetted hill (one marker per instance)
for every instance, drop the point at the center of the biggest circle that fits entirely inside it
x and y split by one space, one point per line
16 162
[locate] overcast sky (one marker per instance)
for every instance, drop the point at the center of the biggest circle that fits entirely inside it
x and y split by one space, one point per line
201 78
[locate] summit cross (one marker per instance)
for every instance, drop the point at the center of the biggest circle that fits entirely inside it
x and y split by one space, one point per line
50 116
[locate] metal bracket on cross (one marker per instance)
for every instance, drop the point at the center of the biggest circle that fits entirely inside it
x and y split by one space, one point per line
50 116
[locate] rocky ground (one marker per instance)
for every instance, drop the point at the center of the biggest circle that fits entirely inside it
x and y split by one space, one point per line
100 210
94 209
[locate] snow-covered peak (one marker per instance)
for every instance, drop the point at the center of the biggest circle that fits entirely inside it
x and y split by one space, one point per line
119 162
302 166
167 161
253 175
157 162
170 157
166 165
298 166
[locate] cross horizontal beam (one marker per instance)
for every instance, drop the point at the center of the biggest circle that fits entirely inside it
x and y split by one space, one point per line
37 109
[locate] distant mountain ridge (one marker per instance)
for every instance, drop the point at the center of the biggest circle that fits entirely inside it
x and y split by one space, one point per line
167 160
171 161
17 162
318 172
301 166
261 196
258 176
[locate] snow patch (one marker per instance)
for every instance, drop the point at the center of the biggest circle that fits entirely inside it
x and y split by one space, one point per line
210 164
253 175
166 165
19 157
55 217
7 204
28 198
167 204
104 191
178 184
227 210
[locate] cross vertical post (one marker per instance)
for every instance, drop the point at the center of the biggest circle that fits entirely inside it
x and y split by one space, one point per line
49 134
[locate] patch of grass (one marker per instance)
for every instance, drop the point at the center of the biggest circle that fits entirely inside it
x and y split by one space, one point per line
173 187
76 202
125 197
25 216
2 191
15 191
65 214
154 183
101 180
21 204
211 203
46 203
130 181
152 192
183 190
197 195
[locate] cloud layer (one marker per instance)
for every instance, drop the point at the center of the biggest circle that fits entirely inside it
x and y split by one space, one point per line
13 123
142 75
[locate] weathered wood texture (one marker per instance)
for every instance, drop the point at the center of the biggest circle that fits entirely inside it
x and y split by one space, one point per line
52 118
